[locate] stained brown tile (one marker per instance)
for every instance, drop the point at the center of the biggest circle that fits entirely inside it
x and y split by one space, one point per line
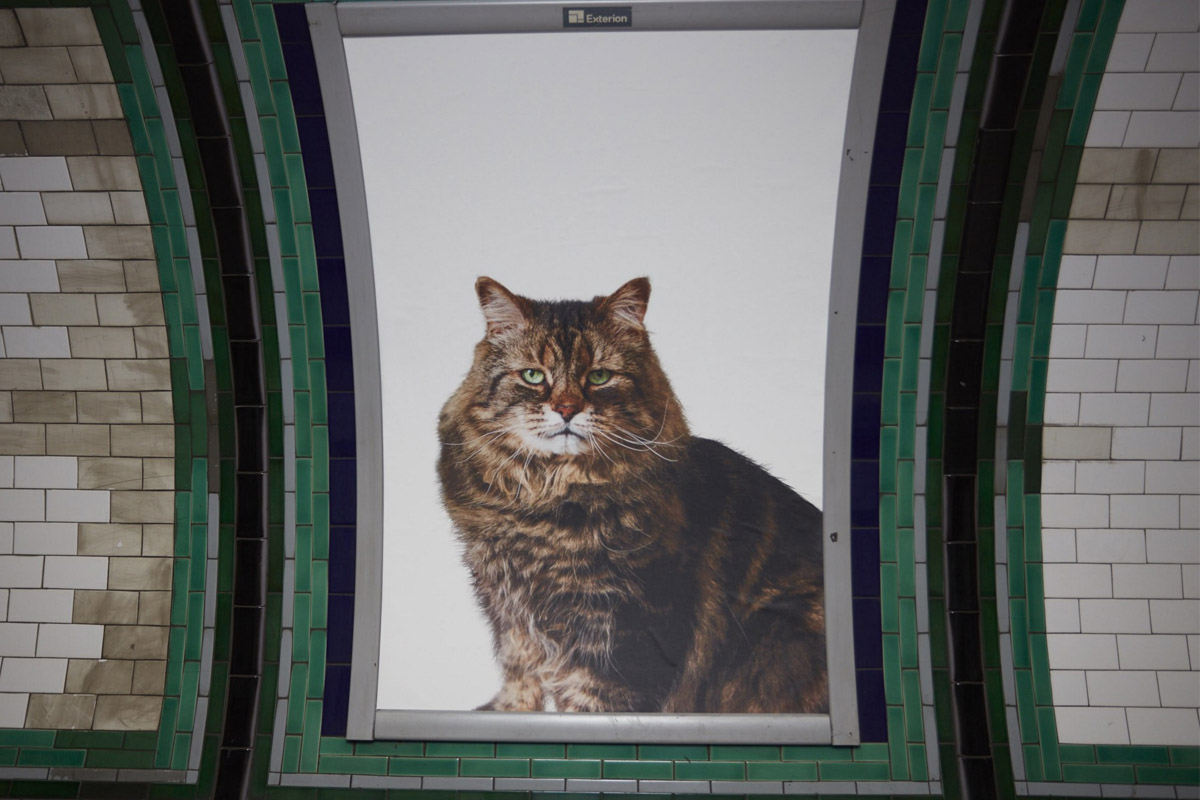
74 374
158 473
154 608
135 641
20 373
90 275
140 572
19 439
149 677
112 137
151 342
63 309
99 677
158 540
91 65
144 440
59 137
129 713
99 607
46 27
43 406
109 539
77 440
113 407
60 711
142 276
36 65
11 141
156 407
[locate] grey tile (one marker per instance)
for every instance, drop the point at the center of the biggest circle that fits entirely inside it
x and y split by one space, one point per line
673 787
530 784
459 784
893 787
386 782
276 762
327 781
23 773
805 787
758 787
1064 789
82 774
152 775
586 785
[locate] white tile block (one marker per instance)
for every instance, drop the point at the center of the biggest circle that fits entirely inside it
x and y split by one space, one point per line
20 571
1129 52
1079 443
1173 547
8 243
1121 341
1109 477
1172 477
1114 616
1121 408
1146 443
1188 96
1158 651
1180 726
1076 272
1088 306
1175 616
1191 444
6 538
70 641
1175 409
1152 375
1129 688
1058 546
1191 581
48 341
14 310
1091 725
1193 380
1175 307
23 505
35 174
46 472
40 675
1061 409
1068 341
17 639
1078 580
1062 616
40 605
1069 687
1163 129
46 538
1058 477
1129 91
52 241
1107 129
1082 651
22 208
1174 52
1193 649
1073 511
12 709
1081 375
1155 16
1179 689
77 505
1189 511
1178 341
1184 272
1131 272
76 572
1111 546
6 472
28 276
1147 580
1144 511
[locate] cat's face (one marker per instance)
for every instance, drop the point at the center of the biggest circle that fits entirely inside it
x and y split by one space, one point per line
569 378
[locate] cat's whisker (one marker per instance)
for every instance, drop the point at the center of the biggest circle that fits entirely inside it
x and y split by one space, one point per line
644 440
635 446
500 466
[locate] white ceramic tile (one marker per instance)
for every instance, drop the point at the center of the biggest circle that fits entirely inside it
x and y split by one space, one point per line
46 538
35 174
1130 52
37 342
1193 380
8 243
28 276
1078 580
1144 511
1058 477
40 605
1146 443
1061 409
1128 688
6 472
1163 129
1125 91
52 241
14 310
1076 272
1109 477
6 538
1107 129
1176 689
21 571
1175 307
1193 649
1184 272
1114 616
1154 16
4 605
1069 687
1091 725
1158 651
1179 726
1058 546
1079 443
1088 306
1121 341
46 472
1062 616
1172 477
1191 444
12 709
1121 408
1110 546
1175 616
1131 272
1073 511
1174 409
1174 52
1178 341
1189 511
23 505
41 675
1147 580
1082 651
76 572
1081 375
1173 546
1191 581
1068 341
70 641
1152 375
21 208
1188 97
17 639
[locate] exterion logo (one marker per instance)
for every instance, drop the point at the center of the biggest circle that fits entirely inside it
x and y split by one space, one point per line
598 17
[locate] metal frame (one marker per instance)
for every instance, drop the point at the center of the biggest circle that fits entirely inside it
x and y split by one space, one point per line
329 24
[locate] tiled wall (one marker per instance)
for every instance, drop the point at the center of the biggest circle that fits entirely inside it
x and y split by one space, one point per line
87 441
1120 509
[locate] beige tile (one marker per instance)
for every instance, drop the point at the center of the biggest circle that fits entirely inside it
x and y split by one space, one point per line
139 573
112 137
5 406
109 407
149 677
99 677
43 406
1116 165
20 373
1090 201
1100 236
91 276
36 65
119 241
1145 202
10 30
154 441
143 506
142 276
109 539
24 102
154 608
91 65
158 540
135 641
77 208
51 26
158 473
110 473
104 607
63 309
22 440
130 208
59 137
60 711
156 407
84 101
1174 238
101 342
77 440
1177 166
139 308
143 374
104 173
130 713
75 374
1191 203
151 342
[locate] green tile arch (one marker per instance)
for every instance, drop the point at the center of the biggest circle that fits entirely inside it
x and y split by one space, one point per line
1048 759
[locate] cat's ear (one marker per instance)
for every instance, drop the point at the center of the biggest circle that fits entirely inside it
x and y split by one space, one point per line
627 305
502 310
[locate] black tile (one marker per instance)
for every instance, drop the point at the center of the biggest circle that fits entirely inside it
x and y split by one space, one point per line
249 572
335 301
977 250
342 443
302 78
864 427
250 514
189 44
868 634
251 426
868 358
221 180
864 570
960 441
340 639
880 220
233 241
964 372
242 322
327 222
966 663
245 656
978 778
968 319
314 144
958 518
1019 28
909 19
972 725
342 544
245 359
864 494
337 700
873 280
291 22
339 361
962 576
233 772
872 705
241 711
989 179
1005 86
343 494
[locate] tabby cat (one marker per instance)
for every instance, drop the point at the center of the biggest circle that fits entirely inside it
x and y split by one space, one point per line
624 565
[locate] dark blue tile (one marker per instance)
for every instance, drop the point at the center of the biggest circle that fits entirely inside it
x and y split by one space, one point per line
887 162
335 300
302 78
292 22
864 427
326 222
909 19
881 220
868 358
343 491
337 698
900 73
340 637
314 144
864 562
341 425
339 360
864 494
341 560
872 705
868 634
872 290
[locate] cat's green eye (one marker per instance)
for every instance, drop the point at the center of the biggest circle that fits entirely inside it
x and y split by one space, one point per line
534 376
599 377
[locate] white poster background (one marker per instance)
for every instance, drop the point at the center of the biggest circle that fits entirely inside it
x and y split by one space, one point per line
564 165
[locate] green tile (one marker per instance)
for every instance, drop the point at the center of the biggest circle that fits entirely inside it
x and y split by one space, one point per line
162 753
291 754
872 751
931 36
460 750
522 750
887 528
120 759
672 752
295 704
744 753
581 768
891 669
320 528
312 736
1048 732
907 566
910 681
639 770
312 321
89 740
1180 756
300 636
1185 776
51 758
494 768
922 92
320 454
423 766
906 206
817 753
1077 754
783 771
896 743
888 598
316 667
1125 754
918 762
288 134
265 17
298 185
1033 762
389 748
260 85
1097 773
719 770
855 771
180 751
353 765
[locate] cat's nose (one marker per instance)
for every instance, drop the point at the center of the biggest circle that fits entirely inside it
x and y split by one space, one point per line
567 409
